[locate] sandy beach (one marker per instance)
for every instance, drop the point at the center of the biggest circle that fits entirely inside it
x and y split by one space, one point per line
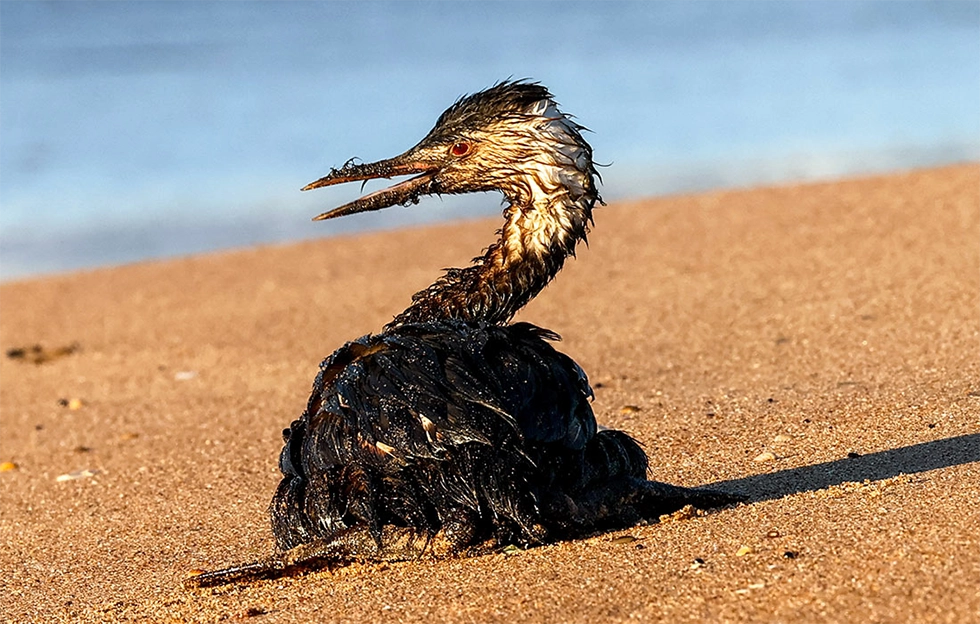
815 347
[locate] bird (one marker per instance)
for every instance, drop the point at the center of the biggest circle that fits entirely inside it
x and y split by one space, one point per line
455 431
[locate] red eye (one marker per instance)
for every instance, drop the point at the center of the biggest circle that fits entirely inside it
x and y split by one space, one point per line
460 149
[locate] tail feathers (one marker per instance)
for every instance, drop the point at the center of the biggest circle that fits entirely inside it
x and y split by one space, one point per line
653 499
610 455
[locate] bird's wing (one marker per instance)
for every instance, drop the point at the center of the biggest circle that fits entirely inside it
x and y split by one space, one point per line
422 388
431 418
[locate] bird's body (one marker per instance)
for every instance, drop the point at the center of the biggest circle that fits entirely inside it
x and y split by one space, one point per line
440 423
451 428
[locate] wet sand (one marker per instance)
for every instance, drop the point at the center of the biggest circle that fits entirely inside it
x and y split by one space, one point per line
816 347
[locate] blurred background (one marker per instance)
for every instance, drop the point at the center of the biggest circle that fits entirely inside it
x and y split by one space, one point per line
135 130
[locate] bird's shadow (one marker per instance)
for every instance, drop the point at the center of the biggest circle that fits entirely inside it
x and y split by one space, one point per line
912 459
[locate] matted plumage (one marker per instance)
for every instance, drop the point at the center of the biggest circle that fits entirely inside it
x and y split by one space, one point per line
452 431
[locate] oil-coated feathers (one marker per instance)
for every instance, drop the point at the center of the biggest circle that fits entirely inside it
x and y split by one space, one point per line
424 421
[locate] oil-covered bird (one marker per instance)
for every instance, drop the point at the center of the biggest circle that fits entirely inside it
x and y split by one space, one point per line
453 431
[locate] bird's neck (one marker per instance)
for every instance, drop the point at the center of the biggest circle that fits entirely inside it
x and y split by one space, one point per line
541 230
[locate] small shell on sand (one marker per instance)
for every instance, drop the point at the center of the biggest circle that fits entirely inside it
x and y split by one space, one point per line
78 474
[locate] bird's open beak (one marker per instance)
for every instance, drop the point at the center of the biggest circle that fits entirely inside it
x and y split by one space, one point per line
405 192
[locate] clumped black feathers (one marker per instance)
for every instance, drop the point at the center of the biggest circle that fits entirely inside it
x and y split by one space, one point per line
496 403
452 431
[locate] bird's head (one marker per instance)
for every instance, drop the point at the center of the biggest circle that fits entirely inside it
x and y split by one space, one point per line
511 137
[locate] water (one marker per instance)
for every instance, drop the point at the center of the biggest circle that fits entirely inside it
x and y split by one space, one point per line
139 130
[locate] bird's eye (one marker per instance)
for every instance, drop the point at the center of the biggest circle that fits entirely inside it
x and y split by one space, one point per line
460 149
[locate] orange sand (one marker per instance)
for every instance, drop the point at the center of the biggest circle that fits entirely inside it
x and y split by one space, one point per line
760 337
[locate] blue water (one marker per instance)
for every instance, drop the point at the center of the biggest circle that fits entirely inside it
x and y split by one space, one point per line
132 130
